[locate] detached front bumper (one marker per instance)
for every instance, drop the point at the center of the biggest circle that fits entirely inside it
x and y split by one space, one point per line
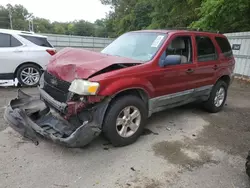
30 115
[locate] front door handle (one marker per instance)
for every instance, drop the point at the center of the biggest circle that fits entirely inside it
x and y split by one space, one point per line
189 71
215 67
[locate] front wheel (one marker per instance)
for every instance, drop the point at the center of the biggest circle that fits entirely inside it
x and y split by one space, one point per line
217 97
125 120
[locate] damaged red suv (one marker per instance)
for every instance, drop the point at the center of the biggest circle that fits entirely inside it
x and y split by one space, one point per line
84 93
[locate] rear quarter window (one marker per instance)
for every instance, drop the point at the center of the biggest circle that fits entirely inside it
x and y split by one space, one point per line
224 46
40 41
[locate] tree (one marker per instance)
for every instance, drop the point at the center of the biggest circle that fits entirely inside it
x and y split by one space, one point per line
4 18
19 16
84 28
42 25
224 15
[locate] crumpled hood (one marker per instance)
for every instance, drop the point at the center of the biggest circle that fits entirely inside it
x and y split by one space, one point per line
71 63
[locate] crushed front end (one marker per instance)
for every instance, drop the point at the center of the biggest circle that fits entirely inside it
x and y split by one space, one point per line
57 114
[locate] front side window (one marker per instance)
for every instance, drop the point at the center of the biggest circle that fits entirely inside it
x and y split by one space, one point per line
40 41
7 41
205 49
182 46
140 46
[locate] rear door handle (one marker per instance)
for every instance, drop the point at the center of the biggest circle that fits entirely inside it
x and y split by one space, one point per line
215 67
189 71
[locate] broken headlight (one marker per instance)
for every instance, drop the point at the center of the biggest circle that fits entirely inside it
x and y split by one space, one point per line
84 87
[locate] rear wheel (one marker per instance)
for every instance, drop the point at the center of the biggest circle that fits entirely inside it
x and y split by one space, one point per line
29 75
125 120
217 97
247 165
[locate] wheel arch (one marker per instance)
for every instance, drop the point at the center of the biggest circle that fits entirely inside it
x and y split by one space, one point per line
139 92
26 63
225 78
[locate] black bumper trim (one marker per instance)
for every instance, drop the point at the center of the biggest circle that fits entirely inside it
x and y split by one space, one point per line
6 76
60 106
16 115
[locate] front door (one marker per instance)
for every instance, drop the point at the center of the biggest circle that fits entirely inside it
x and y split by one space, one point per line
174 84
10 53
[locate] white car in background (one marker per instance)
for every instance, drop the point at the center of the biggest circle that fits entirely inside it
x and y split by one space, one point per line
23 55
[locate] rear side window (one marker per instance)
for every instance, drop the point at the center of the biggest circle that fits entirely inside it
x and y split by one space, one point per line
224 46
205 49
7 40
4 40
40 41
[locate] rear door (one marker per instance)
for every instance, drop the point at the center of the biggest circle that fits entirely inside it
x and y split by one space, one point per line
10 53
206 58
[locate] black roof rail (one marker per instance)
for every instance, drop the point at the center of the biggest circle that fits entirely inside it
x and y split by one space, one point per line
27 32
191 29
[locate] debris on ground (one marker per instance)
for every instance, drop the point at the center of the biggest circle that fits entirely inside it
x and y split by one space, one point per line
168 129
148 132
132 168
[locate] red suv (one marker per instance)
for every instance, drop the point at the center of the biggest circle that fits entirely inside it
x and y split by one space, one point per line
84 93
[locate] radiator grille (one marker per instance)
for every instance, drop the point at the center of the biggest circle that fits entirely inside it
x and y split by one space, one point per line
56 88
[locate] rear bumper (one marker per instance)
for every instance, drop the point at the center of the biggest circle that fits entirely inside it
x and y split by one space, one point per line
29 115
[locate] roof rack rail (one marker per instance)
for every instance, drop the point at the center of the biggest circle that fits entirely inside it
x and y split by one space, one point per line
192 29
27 32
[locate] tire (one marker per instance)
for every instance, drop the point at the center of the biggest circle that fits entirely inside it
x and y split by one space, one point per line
117 109
210 105
23 72
247 165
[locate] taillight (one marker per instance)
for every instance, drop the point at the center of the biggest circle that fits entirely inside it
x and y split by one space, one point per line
51 52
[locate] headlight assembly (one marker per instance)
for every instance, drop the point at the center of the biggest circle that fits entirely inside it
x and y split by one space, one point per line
84 87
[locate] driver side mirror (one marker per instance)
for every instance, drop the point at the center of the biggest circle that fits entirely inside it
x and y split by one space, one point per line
171 60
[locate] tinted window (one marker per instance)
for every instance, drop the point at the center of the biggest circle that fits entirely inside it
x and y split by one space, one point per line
4 40
7 40
14 42
40 41
206 49
224 46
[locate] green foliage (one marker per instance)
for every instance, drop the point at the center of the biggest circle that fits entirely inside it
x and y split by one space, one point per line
4 17
224 15
211 15
127 15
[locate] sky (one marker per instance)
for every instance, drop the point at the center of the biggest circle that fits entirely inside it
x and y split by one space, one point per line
63 10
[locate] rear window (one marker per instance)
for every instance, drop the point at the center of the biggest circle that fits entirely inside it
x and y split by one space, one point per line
224 46
40 41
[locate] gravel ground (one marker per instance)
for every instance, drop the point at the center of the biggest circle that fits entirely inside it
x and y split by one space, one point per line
182 147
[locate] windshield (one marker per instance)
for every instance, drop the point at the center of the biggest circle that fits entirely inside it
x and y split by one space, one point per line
136 45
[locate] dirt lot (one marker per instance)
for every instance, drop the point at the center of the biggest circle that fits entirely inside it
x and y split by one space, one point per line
183 147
